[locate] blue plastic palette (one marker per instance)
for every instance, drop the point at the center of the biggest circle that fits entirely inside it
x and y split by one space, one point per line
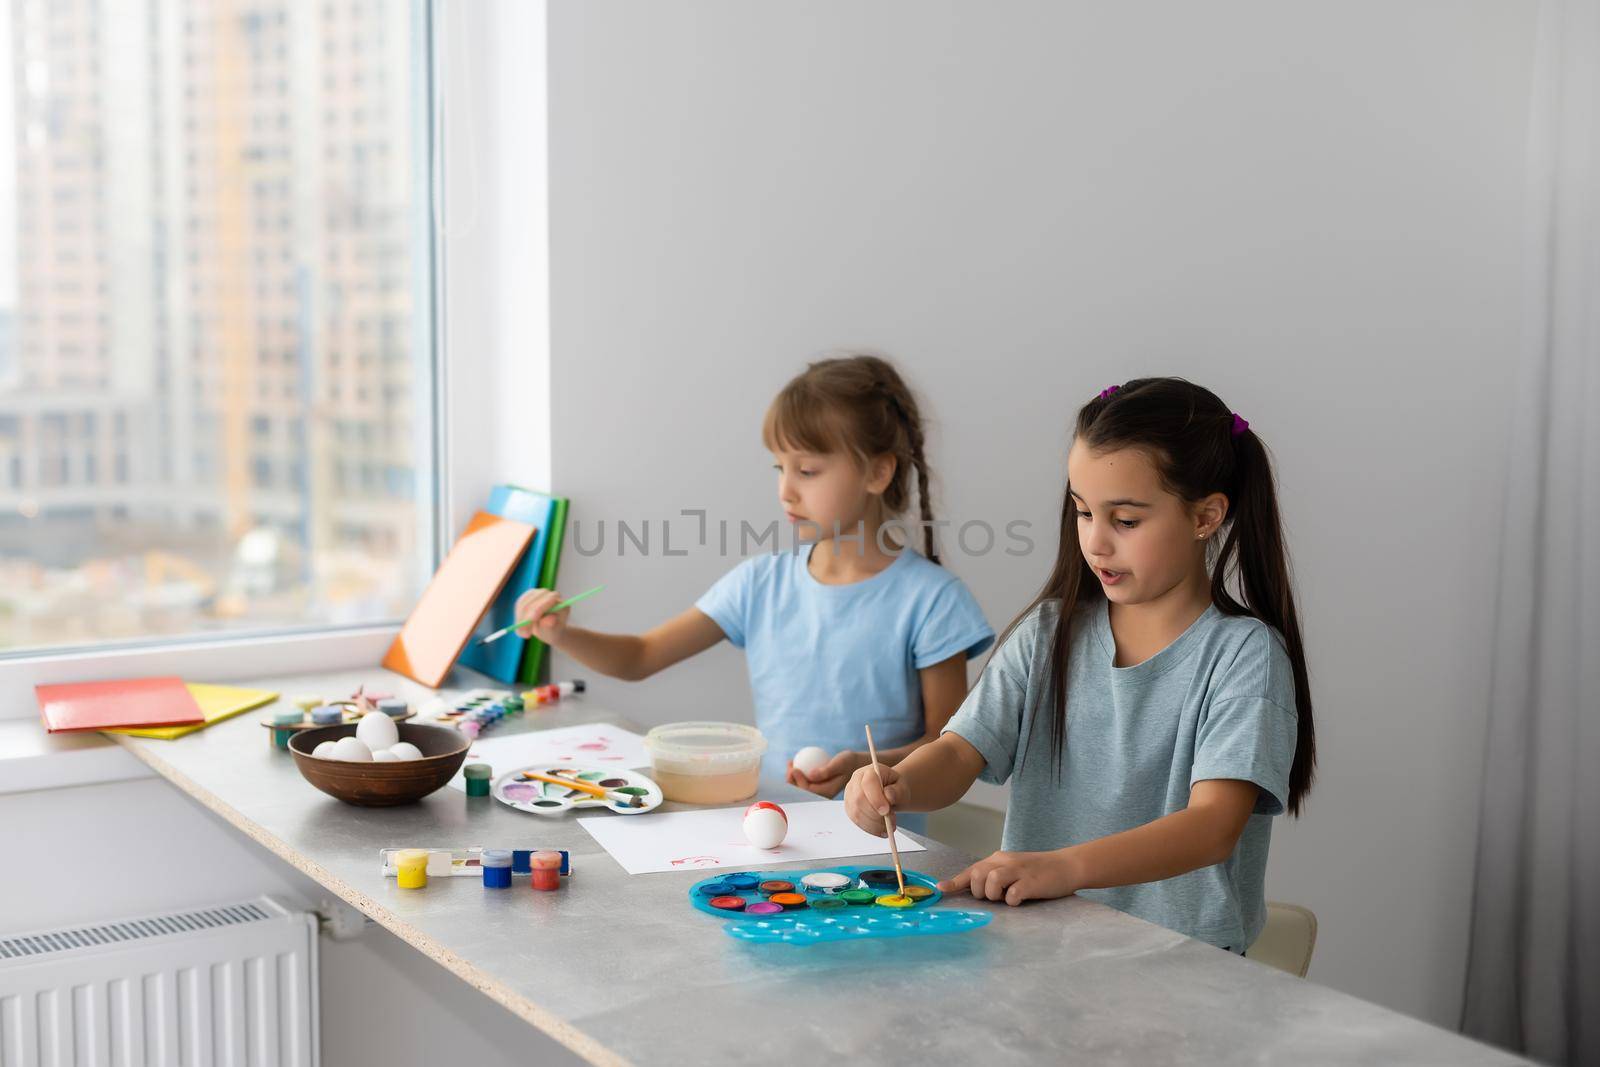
805 926
798 928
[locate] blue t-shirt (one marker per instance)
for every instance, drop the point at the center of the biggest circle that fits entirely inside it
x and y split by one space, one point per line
826 660
1218 702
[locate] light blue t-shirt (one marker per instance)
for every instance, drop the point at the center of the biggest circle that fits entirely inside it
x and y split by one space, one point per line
1216 703
826 660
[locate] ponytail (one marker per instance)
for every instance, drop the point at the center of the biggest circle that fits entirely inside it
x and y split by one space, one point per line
1254 551
924 503
919 463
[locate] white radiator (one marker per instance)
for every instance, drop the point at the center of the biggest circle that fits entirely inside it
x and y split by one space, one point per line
230 986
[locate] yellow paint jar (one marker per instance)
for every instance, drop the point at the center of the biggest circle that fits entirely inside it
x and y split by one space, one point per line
411 868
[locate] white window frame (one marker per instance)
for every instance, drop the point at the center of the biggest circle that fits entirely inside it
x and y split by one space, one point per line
491 338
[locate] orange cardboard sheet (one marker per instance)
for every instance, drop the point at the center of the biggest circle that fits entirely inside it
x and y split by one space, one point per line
461 591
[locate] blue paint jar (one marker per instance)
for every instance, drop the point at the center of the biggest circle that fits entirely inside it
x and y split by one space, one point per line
327 715
496 868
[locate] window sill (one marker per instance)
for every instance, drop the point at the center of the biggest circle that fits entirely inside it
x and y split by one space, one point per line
32 759
210 661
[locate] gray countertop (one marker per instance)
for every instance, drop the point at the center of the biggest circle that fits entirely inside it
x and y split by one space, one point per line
621 969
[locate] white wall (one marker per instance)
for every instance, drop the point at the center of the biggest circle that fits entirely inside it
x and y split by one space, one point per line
129 848
1312 209
494 313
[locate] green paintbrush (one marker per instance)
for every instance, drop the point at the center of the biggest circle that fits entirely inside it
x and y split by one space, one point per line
567 603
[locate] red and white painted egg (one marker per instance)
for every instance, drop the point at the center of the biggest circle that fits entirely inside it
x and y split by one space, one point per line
765 824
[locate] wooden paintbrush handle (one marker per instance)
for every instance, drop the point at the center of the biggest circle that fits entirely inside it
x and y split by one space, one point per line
570 783
593 790
888 827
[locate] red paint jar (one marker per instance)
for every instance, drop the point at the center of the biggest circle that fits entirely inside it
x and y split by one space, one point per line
545 870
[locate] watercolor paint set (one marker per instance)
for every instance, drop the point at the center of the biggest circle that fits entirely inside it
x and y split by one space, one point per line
829 904
479 710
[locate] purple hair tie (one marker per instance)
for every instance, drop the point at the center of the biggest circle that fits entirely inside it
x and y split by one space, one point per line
1239 424
1108 390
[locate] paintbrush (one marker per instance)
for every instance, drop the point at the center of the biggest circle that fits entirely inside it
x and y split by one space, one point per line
586 787
899 875
567 603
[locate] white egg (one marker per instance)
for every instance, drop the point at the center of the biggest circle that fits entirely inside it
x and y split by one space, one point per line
811 758
324 751
352 750
377 731
765 825
405 750
383 755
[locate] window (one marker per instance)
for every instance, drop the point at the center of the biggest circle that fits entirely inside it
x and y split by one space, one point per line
200 513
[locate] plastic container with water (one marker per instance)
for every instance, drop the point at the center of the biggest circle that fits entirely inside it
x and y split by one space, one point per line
706 762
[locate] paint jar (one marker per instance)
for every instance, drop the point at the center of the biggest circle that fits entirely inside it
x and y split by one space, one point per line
828 882
285 718
549 694
411 868
496 868
305 703
327 715
706 762
546 870
393 707
478 775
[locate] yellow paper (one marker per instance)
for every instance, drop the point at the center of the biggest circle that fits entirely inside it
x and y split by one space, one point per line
217 702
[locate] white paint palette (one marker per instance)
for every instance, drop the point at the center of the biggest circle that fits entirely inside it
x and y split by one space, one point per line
547 798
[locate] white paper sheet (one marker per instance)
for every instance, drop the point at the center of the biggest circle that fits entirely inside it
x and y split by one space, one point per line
819 830
595 745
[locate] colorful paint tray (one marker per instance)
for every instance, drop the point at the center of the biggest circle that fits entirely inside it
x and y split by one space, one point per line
801 929
547 798
477 699
820 911
352 715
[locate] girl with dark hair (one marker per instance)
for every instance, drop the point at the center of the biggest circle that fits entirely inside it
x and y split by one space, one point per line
858 627
1151 708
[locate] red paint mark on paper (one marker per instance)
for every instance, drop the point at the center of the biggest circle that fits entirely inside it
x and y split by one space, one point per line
697 861
594 746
